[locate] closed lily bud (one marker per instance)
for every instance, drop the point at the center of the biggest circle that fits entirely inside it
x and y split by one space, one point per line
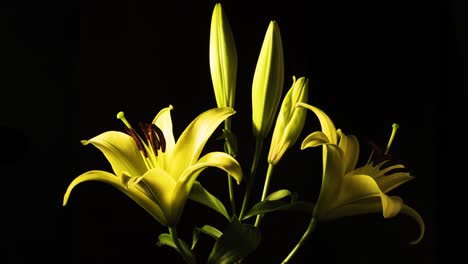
290 120
223 58
267 85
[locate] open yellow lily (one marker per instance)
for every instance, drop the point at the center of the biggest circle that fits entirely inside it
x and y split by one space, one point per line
347 190
155 171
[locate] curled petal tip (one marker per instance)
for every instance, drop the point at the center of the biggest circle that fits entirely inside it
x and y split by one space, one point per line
417 217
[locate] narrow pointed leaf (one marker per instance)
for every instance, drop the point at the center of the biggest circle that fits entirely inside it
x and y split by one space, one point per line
165 239
200 195
237 242
206 229
280 194
266 206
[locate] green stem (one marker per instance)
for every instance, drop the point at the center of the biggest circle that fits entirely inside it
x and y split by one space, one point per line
230 151
231 196
266 185
307 233
187 258
251 180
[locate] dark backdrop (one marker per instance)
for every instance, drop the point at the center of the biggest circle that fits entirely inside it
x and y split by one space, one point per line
67 69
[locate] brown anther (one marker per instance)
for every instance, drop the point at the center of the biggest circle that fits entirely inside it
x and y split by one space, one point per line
150 138
137 140
160 135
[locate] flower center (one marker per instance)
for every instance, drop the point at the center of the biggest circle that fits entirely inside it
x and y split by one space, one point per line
150 144
377 155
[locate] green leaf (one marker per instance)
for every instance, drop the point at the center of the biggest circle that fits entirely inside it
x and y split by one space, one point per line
165 239
267 206
207 229
231 140
280 194
200 195
238 241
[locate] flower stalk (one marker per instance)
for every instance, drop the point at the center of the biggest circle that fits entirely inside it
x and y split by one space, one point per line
304 238
189 259
251 179
266 187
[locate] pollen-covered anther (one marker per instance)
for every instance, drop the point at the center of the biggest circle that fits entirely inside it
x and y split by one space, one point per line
137 140
161 140
154 136
150 137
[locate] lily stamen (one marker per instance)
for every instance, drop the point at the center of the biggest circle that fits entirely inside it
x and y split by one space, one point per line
160 135
150 137
152 134
130 131
137 140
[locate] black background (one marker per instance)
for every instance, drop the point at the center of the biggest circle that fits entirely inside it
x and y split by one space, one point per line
67 69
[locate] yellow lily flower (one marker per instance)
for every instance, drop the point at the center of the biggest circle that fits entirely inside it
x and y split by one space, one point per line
290 120
267 85
347 190
223 58
154 170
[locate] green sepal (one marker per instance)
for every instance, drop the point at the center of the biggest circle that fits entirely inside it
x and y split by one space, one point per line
200 195
237 242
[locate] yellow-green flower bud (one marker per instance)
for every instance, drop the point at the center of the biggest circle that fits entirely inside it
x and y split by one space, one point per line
223 58
290 120
267 85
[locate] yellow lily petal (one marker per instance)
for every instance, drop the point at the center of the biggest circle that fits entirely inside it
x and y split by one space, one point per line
163 120
193 139
389 182
121 151
219 160
391 205
216 159
358 187
415 215
350 146
315 139
134 193
358 207
161 185
373 205
328 128
223 58
384 171
332 178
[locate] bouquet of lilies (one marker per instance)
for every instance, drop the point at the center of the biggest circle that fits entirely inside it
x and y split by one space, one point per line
160 173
